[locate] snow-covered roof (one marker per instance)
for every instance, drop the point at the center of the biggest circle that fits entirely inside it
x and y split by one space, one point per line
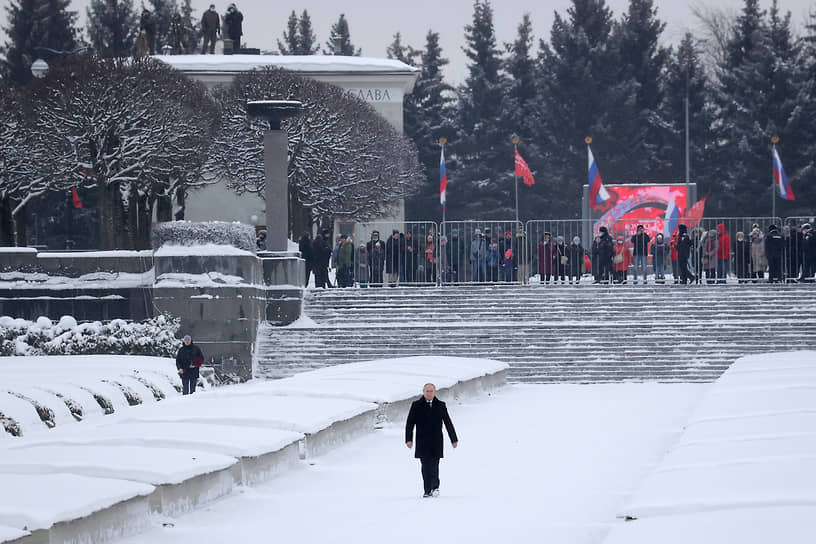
297 63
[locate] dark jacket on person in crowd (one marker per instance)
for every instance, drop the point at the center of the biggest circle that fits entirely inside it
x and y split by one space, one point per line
305 248
394 253
640 243
189 359
606 247
321 251
233 22
683 245
428 421
210 23
742 257
576 259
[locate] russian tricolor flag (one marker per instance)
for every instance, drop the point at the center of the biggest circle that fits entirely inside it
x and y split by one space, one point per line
597 193
671 219
443 179
781 180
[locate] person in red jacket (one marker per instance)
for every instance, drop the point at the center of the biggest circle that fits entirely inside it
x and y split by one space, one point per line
621 260
723 253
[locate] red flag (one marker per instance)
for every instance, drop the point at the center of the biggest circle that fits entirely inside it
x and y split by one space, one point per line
522 170
75 198
694 214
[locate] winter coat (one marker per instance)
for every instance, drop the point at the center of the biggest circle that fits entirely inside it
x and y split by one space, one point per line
210 23
428 421
376 256
576 259
492 258
640 242
742 258
759 261
305 248
546 257
321 252
456 252
561 251
710 247
684 247
345 254
148 24
394 254
361 265
478 250
412 256
188 359
430 254
506 244
659 251
673 246
724 240
606 248
626 258
774 246
233 22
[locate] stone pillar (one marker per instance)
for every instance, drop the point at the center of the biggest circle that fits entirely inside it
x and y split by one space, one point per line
276 163
277 190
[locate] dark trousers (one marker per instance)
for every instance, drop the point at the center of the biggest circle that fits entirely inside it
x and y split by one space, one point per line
430 473
209 38
188 384
308 273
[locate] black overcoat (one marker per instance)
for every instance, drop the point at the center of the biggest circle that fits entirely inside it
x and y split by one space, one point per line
189 358
428 422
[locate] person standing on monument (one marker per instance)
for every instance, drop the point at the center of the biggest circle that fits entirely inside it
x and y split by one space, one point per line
210 28
428 414
233 21
147 24
188 361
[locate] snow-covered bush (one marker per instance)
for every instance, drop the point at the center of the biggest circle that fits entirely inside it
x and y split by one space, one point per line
10 425
154 337
186 233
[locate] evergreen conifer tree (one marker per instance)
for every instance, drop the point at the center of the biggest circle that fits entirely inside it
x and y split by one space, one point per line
36 29
485 153
583 95
290 44
642 61
307 39
191 26
112 26
428 116
402 53
339 42
163 11
756 99
686 80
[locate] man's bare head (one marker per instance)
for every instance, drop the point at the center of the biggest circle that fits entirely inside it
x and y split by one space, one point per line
428 391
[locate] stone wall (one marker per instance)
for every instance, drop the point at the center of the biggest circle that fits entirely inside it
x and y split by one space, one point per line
221 299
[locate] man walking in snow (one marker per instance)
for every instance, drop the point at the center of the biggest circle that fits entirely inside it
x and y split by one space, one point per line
427 414
188 361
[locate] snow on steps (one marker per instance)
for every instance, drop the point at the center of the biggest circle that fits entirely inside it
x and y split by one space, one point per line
99 482
583 334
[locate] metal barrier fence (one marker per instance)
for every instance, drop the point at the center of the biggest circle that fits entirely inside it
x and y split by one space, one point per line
723 249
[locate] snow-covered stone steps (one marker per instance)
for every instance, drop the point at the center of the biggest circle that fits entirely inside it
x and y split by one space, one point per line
548 333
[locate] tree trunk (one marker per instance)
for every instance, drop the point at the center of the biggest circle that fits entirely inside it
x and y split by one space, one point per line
145 222
20 220
300 217
6 223
164 209
112 226
181 201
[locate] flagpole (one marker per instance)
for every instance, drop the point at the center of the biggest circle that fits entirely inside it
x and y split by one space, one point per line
515 141
442 142
774 140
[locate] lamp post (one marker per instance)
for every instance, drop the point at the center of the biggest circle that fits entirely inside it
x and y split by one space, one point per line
276 164
774 141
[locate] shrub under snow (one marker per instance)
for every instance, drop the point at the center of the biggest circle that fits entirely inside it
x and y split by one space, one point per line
186 233
154 337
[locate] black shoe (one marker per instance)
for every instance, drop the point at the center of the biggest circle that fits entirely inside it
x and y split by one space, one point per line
435 492
427 494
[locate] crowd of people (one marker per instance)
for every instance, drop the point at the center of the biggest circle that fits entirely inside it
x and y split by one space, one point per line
693 255
178 38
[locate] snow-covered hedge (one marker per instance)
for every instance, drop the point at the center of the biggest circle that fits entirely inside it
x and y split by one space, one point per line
154 337
186 233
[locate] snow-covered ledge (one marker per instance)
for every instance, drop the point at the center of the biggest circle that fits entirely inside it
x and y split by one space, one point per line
191 450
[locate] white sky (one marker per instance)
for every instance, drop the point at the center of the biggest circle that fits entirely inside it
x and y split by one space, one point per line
373 24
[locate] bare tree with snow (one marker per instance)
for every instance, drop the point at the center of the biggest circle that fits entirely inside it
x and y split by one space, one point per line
133 129
345 160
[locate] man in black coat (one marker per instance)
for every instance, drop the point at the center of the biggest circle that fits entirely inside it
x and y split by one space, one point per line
305 248
684 244
606 247
210 28
321 253
233 21
773 251
427 414
188 361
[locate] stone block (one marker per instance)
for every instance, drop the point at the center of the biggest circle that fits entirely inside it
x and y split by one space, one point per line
246 267
17 258
283 268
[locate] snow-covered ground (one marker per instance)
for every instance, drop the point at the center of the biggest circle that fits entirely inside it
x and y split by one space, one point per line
534 464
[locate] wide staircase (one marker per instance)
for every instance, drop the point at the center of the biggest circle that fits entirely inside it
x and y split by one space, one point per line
578 334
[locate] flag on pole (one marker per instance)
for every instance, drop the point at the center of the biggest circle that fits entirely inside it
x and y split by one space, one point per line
695 214
781 180
75 198
597 193
671 219
523 171
443 179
